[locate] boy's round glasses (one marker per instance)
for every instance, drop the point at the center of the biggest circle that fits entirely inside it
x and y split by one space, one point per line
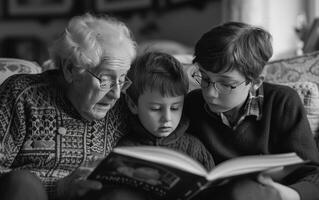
107 84
222 88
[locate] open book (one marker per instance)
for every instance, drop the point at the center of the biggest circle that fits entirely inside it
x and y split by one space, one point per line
173 175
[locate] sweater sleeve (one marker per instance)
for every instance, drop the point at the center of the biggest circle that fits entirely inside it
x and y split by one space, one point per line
198 151
13 113
12 126
296 136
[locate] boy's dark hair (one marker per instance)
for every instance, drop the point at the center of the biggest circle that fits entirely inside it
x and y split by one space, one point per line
157 71
234 45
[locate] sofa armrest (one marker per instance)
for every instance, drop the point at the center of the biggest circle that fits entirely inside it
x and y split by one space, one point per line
10 66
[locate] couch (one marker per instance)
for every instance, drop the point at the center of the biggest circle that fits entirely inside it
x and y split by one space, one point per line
301 73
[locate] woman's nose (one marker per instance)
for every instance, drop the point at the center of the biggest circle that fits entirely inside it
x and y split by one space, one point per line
116 91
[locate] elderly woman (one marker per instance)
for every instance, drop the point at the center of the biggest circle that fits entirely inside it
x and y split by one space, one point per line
55 122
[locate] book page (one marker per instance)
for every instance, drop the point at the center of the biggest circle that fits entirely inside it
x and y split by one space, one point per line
164 156
254 163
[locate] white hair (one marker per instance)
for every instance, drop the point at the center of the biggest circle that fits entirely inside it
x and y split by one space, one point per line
86 38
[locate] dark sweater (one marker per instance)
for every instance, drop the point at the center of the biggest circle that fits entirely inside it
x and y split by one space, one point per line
282 128
177 140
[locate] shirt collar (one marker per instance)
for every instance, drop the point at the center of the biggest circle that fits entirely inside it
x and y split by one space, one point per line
254 103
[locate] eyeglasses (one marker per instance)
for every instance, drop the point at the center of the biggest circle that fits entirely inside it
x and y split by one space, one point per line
222 88
107 84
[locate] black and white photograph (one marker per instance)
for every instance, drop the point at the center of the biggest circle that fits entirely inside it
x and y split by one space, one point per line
159 99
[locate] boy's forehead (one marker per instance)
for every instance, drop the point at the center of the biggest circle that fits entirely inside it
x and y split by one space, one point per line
233 74
155 95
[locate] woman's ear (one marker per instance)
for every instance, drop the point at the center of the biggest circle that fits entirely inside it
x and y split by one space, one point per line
131 105
257 82
68 72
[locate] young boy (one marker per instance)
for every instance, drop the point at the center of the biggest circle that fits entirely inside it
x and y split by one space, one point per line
235 113
156 99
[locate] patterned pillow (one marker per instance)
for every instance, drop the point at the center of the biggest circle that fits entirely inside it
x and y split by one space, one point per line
309 94
10 66
295 69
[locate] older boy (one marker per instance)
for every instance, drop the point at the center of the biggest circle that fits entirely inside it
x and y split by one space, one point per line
235 113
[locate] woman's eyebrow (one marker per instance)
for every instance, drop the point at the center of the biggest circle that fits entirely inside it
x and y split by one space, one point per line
110 73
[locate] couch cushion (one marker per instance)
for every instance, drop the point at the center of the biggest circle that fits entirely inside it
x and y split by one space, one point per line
301 73
309 94
296 69
10 66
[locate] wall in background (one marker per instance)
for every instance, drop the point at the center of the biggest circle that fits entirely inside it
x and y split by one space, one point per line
279 17
184 21
27 34
282 23
184 25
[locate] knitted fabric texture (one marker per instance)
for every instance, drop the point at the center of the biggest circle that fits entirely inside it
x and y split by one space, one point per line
32 109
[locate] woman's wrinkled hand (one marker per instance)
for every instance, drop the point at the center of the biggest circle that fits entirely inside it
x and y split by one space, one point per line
76 185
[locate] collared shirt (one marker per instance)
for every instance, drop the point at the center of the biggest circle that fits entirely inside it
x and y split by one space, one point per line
252 107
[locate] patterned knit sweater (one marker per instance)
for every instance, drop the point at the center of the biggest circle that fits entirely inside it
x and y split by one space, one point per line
178 140
282 128
32 109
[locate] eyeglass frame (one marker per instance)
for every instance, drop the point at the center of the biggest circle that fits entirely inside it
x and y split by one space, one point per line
125 84
209 83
